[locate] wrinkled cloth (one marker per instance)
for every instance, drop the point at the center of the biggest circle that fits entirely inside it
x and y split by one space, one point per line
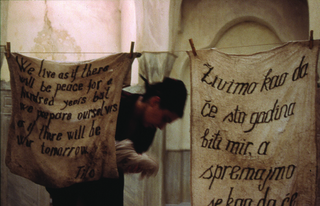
64 117
253 126
129 161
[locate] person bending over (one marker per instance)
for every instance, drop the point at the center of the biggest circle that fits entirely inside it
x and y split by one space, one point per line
140 115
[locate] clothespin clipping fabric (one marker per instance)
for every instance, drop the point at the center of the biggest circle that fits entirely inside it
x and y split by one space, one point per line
311 40
8 50
192 47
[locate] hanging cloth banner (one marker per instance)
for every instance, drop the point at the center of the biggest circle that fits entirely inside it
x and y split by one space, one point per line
253 133
64 117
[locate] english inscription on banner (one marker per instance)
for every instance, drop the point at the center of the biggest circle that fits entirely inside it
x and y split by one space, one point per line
253 135
64 117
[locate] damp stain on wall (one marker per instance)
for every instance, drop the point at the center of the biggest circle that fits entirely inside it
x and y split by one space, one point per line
55 44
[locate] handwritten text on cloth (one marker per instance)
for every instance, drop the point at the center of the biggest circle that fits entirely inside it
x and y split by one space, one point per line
253 134
64 117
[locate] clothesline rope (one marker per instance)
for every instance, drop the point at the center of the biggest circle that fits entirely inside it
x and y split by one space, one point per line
221 48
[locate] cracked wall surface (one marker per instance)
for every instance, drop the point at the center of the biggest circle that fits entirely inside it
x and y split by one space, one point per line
62 30
52 43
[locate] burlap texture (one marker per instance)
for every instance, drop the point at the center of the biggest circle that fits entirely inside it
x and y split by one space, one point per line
64 117
253 127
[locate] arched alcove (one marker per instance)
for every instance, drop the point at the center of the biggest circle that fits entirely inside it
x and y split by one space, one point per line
246 38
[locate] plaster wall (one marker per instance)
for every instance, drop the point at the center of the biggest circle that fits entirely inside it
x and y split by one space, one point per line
314 16
61 30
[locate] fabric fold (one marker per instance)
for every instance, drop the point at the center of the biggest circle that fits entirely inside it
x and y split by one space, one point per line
253 131
64 117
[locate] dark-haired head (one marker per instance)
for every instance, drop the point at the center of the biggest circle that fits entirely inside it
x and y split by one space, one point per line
172 94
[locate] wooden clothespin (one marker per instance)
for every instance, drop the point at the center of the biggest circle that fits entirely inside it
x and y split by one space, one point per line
192 47
311 40
131 49
8 50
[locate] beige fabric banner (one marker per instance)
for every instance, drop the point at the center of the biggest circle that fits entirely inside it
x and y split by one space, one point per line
64 117
253 133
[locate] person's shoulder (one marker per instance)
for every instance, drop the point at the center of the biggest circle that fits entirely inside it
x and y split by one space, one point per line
128 100
127 96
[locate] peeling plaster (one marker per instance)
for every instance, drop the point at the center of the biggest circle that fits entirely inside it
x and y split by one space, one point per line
52 44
